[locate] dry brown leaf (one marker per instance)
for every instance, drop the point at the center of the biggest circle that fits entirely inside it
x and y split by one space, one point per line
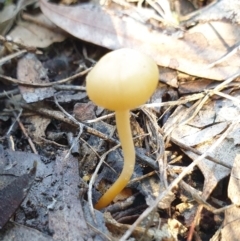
84 111
194 86
169 76
40 33
112 28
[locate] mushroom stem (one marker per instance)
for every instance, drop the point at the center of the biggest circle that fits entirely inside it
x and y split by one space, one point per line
125 135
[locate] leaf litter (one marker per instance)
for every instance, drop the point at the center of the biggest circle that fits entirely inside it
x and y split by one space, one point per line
189 128
198 47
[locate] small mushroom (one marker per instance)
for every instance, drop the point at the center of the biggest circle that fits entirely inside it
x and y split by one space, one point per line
122 80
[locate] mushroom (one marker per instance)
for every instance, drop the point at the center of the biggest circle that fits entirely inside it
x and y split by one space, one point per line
122 80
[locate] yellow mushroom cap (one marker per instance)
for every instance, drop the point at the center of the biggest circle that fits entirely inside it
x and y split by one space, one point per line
122 80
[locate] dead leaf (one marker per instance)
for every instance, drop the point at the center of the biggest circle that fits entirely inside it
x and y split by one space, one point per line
14 231
12 195
169 76
202 131
230 228
200 136
113 28
39 32
196 86
9 13
33 203
6 17
84 111
98 223
220 10
66 218
234 182
54 196
30 70
38 126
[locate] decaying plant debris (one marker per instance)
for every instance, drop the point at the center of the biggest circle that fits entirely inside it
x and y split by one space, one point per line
59 152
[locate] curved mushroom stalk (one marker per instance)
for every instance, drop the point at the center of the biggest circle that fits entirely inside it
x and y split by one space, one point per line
120 81
125 135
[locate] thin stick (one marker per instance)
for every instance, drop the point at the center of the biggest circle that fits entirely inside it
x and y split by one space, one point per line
20 82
